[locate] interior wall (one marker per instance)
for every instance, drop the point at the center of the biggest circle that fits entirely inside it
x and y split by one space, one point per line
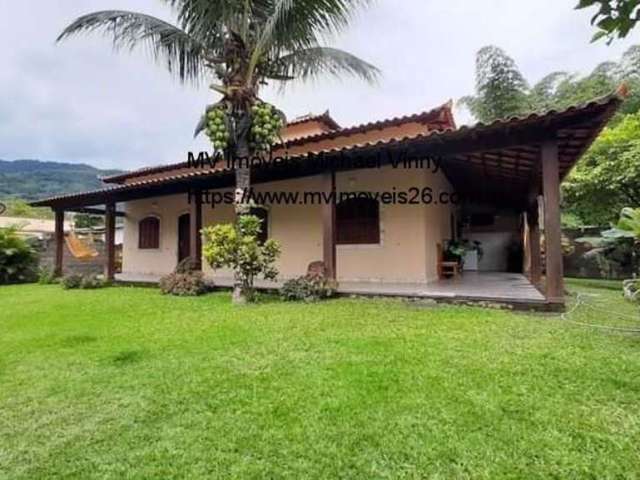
495 239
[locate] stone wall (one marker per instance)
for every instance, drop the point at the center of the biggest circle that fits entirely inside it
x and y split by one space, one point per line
47 254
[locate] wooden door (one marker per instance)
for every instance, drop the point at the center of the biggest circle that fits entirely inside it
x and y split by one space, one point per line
184 245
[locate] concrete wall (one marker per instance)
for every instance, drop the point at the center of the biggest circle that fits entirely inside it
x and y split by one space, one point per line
409 233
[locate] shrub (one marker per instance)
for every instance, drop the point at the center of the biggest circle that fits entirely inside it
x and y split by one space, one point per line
85 282
46 276
71 281
18 261
185 266
189 284
237 247
308 289
91 282
185 281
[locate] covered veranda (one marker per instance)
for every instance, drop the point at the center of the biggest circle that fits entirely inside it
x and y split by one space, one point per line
512 289
516 164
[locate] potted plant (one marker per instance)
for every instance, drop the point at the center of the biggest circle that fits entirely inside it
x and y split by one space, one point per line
457 250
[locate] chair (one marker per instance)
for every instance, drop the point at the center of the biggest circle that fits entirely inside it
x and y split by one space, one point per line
447 269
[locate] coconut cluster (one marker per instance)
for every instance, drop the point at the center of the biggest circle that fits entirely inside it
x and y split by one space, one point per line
217 128
265 127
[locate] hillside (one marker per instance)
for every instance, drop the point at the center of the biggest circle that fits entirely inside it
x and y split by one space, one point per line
34 179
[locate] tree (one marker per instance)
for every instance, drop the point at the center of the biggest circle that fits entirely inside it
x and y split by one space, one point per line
545 93
608 176
243 45
16 207
83 220
614 18
238 247
501 90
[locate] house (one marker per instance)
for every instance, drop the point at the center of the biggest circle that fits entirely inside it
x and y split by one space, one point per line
403 188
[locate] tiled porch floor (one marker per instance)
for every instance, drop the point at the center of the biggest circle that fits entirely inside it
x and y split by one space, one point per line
473 286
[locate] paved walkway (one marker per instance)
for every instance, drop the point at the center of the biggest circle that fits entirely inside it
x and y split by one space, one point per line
474 286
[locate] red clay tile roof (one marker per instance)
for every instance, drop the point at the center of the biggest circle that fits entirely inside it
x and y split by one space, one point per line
440 118
322 118
612 102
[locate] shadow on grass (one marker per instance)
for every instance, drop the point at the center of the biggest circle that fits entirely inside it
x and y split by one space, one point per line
127 357
78 340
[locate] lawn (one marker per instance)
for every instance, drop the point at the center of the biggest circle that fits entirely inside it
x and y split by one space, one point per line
125 383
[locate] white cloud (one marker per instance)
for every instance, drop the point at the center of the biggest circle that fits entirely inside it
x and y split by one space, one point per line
81 102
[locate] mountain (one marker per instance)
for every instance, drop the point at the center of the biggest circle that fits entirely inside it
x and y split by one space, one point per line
34 179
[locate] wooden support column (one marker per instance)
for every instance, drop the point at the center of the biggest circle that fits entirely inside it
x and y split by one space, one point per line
110 242
329 226
552 225
535 272
195 227
59 239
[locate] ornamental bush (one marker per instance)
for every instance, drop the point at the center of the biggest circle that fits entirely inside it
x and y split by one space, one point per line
184 281
237 247
75 281
310 288
18 261
71 281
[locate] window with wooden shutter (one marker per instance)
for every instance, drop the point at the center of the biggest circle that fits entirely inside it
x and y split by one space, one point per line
149 233
358 222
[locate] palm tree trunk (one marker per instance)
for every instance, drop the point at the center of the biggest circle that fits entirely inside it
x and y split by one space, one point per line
242 200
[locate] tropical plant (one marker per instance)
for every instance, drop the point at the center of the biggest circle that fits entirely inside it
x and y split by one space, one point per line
614 18
18 261
242 45
238 247
457 249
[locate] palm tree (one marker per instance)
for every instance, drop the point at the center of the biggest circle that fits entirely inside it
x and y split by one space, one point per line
241 45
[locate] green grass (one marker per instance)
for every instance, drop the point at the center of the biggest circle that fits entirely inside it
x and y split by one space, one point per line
125 383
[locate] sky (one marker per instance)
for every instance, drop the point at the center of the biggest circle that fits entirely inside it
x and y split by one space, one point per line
80 102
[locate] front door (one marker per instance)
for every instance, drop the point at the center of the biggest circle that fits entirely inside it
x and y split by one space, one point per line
184 245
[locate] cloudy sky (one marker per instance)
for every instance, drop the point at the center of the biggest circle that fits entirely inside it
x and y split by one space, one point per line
80 102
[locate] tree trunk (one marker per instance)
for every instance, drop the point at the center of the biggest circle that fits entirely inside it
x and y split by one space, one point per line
242 200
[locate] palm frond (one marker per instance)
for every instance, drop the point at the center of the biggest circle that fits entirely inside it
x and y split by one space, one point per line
207 19
308 63
183 54
300 23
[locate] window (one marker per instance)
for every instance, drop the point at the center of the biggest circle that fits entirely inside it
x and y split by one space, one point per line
149 233
262 214
358 222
